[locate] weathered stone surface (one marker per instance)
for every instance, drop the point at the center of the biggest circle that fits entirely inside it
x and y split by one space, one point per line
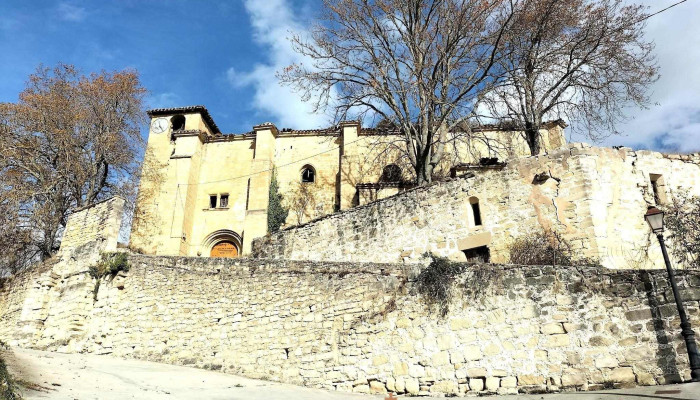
553 328
472 353
476 384
622 375
573 379
441 358
559 340
606 361
377 387
477 372
509 382
645 379
526 380
448 387
493 383
412 386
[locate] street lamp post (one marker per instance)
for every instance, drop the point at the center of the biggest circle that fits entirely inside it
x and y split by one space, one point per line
655 218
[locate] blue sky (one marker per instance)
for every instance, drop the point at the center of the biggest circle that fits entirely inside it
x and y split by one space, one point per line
224 54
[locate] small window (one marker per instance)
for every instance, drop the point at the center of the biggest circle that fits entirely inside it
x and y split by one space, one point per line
308 174
247 195
391 173
659 188
212 201
178 122
476 211
223 201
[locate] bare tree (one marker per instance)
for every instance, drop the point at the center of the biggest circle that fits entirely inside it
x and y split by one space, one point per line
683 221
70 141
303 201
579 60
416 64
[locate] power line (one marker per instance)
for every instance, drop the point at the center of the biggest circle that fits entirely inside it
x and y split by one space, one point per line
275 167
660 11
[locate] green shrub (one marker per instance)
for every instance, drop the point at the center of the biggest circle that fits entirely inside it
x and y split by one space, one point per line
276 213
434 282
110 265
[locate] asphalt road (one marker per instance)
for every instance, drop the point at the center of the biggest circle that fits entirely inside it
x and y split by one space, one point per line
86 376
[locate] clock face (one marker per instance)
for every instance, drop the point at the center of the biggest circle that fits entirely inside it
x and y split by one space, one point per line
159 125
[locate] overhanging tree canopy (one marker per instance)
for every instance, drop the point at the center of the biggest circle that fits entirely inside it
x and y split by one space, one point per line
417 64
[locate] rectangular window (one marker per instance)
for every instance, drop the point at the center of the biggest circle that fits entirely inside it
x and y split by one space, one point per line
477 214
479 254
212 201
247 194
223 201
658 188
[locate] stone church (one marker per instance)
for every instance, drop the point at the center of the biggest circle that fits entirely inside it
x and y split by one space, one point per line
206 193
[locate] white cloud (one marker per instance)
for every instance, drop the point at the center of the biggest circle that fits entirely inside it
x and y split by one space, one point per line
70 12
273 21
164 100
672 122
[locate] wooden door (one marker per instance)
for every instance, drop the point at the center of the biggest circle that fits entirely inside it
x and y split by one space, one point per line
224 249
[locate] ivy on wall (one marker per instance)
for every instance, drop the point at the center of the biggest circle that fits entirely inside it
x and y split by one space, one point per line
276 212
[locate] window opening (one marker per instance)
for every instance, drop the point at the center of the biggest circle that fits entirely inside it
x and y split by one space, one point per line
391 173
247 195
480 254
658 188
308 174
212 201
223 201
476 211
178 122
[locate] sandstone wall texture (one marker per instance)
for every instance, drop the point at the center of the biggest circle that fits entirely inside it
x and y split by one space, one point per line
594 197
50 297
363 327
96 223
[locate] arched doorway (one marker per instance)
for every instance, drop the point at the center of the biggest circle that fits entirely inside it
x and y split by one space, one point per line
222 243
224 249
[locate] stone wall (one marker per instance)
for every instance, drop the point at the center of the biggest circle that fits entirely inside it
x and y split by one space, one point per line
51 297
99 222
363 327
595 198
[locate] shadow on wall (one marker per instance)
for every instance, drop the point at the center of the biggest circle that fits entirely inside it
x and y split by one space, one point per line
665 354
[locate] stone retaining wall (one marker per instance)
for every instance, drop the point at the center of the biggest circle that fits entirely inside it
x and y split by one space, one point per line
594 197
362 327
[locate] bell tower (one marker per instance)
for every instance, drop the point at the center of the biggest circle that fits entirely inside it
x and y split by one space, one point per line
169 179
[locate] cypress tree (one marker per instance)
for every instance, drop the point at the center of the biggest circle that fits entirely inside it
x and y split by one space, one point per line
276 213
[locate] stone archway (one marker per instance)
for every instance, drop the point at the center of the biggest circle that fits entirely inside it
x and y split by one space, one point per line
223 243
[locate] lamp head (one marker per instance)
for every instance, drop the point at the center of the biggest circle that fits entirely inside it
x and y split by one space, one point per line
655 219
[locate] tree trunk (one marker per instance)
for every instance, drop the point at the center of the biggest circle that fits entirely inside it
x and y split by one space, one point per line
532 137
424 172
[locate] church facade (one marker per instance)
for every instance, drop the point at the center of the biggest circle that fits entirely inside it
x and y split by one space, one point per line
205 193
